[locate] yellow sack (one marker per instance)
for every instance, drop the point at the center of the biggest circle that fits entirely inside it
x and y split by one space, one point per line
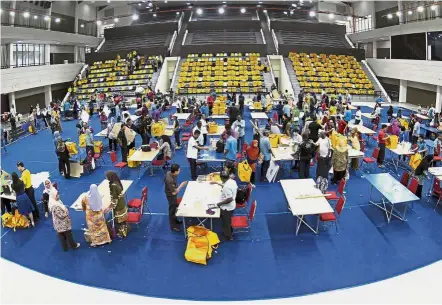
274 139
82 140
200 244
269 107
133 164
404 123
157 129
97 146
257 105
244 171
213 127
392 142
415 160
30 129
72 148
16 221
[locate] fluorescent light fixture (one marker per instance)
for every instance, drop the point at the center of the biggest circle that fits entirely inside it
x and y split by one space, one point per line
433 7
243 10
35 17
410 12
26 14
177 13
46 18
116 20
12 13
188 3
398 14
292 12
260 2
108 1
57 20
224 2
293 4
154 15
285 12
165 1
265 11
221 10
150 4
349 18
139 4
259 5
331 16
420 9
389 16
98 22
199 11
82 25
312 13
135 17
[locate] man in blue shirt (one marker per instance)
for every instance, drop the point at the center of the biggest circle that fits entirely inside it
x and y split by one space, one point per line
287 109
230 150
204 110
266 149
67 109
347 115
379 99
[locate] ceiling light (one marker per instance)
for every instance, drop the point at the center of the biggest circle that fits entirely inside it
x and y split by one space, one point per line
199 11
165 1
433 7
35 17
398 14
221 10
293 4
260 2
259 5
310 1
331 16
410 12
389 16
265 11
116 20
150 4
47 18
188 3
243 10
135 17
154 15
224 2
82 25
12 13
26 14
139 4
292 12
349 18
57 20
312 14
285 12
177 13
190 6
108 1
98 22
420 9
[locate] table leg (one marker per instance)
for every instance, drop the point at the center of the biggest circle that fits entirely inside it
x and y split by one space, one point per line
184 227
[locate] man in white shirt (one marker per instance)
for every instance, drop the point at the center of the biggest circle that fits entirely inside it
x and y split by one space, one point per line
358 116
416 131
192 152
227 204
199 127
378 111
239 126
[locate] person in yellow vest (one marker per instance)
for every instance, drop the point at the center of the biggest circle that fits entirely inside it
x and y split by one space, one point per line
29 189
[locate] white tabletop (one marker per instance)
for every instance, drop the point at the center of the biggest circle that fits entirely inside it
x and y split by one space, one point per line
102 133
368 115
362 129
259 115
197 197
402 150
182 116
141 156
402 116
11 196
221 129
104 191
421 116
435 171
219 116
282 153
294 188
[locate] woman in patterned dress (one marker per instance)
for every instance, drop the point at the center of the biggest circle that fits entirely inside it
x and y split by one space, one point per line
118 204
92 204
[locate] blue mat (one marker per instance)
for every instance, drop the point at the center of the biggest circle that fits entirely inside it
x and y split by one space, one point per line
275 264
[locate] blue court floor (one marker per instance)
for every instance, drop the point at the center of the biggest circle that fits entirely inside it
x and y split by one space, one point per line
275 264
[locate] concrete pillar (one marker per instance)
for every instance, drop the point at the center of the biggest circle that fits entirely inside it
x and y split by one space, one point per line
438 99
76 17
13 7
49 21
403 91
375 49
401 9
12 101
11 56
47 54
48 95
76 54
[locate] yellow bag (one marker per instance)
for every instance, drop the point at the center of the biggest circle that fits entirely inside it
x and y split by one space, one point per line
244 171
274 139
269 107
16 221
257 105
392 142
415 160
72 148
98 146
213 127
157 129
200 244
132 164
82 140
30 129
404 123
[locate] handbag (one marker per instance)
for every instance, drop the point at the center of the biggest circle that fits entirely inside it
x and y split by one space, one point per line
244 171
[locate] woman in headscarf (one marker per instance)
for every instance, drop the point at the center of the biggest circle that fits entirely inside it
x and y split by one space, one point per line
111 135
64 165
118 204
24 204
57 136
355 144
165 148
45 197
89 141
57 120
252 153
92 204
395 129
61 221
339 161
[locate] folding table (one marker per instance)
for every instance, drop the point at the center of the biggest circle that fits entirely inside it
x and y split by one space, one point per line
196 200
182 116
141 156
393 193
435 172
211 156
400 150
305 199
259 116
283 155
218 133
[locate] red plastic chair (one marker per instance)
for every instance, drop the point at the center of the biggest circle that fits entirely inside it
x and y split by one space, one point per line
159 164
404 179
436 189
114 160
153 145
374 136
137 202
373 158
333 216
243 224
413 185
334 195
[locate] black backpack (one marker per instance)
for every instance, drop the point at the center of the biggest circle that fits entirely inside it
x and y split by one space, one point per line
220 146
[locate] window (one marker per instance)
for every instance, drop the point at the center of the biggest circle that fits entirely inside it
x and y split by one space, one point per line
27 54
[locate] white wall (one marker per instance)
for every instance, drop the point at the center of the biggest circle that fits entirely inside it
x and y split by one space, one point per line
363 8
56 48
166 74
31 77
383 44
118 11
280 71
383 5
37 90
86 11
328 7
63 7
421 71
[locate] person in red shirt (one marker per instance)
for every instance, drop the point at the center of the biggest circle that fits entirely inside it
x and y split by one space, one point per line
341 125
382 139
210 101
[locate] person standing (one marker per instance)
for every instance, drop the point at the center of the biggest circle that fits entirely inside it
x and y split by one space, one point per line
306 151
355 144
29 189
24 205
89 141
241 104
172 189
111 136
266 150
252 153
227 204
416 131
176 132
118 204
5 203
122 140
314 128
382 139
239 126
230 150
340 161
325 149
204 130
63 158
61 221
193 146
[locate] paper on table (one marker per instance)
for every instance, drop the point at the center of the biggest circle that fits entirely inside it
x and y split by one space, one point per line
84 116
39 178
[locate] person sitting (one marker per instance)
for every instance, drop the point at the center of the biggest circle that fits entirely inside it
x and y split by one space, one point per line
165 148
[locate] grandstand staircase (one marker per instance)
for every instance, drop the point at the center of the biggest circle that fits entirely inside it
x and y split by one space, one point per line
177 73
292 75
268 80
375 82
154 78
271 49
180 36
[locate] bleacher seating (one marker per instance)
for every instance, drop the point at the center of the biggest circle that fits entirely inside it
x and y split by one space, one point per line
113 76
317 72
146 40
201 73
224 36
329 40
298 15
230 14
